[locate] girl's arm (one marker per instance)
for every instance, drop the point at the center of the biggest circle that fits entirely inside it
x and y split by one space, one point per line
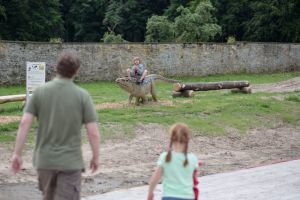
154 181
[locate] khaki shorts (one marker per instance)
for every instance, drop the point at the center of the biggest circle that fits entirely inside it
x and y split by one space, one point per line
133 74
60 185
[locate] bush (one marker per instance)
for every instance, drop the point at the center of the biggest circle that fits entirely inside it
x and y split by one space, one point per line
231 40
56 40
112 38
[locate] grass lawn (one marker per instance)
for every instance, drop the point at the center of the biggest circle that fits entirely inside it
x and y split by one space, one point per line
208 113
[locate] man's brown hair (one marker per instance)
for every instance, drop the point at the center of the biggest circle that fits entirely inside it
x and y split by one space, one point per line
67 64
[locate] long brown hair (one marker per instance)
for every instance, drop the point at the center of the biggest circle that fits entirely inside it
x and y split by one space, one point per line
179 133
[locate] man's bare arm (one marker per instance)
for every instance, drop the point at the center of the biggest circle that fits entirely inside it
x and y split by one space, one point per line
94 140
23 131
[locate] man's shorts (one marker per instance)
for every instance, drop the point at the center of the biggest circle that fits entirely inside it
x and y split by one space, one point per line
60 185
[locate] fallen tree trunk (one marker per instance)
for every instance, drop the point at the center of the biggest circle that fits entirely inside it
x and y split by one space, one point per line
185 93
204 86
12 98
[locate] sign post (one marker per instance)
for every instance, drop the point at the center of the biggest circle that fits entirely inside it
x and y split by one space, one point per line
35 76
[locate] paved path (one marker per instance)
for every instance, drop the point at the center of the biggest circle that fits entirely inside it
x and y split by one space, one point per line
279 181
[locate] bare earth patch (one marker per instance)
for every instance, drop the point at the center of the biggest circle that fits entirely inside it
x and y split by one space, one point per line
8 119
291 85
125 104
130 162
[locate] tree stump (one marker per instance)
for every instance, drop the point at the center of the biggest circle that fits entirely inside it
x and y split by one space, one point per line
245 90
185 93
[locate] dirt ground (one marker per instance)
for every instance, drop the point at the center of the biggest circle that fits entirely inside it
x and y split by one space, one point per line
128 162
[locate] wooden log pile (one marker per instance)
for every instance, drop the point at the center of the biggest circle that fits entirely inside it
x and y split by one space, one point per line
187 89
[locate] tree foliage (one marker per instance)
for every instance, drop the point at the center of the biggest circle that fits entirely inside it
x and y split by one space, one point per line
259 20
159 29
232 16
198 26
86 20
2 12
171 12
111 37
155 20
35 20
130 17
190 26
274 20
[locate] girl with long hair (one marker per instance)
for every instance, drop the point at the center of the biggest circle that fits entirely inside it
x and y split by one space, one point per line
176 167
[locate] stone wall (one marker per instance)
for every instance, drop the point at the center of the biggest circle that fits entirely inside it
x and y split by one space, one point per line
109 61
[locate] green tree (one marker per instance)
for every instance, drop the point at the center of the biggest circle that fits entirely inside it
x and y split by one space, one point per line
233 16
192 5
2 18
159 29
69 30
171 12
35 20
129 18
86 19
259 20
113 16
198 26
45 20
13 23
76 20
2 12
274 21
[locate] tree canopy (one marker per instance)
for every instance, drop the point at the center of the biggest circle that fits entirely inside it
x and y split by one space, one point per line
197 26
150 20
37 20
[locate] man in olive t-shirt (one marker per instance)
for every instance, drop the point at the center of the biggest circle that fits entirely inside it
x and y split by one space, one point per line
61 108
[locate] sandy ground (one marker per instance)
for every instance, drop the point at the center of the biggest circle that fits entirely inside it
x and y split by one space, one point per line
130 162
8 119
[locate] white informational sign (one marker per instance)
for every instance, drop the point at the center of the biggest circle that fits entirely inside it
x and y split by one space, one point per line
35 76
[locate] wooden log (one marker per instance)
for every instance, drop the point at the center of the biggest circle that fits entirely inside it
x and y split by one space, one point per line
204 86
12 98
177 87
245 90
185 93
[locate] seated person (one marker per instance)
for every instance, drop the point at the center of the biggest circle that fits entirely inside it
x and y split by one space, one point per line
137 71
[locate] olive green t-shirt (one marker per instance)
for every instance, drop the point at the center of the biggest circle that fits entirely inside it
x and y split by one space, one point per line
61 108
